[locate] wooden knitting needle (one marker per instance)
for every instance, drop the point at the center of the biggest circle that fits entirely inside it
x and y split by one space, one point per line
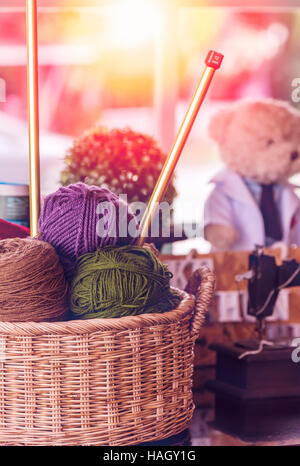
213 62
33 113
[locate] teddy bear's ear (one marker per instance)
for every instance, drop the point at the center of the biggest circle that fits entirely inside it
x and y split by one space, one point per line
218 125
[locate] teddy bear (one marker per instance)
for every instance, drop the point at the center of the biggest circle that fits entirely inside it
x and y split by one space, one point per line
252 201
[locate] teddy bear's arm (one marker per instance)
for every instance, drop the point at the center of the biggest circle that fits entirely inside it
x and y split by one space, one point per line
219 227
221 237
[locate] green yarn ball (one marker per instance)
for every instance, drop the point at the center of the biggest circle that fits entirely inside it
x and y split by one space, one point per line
121 281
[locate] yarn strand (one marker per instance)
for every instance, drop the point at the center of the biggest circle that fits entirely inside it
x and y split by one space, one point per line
121 281
32 282
69 218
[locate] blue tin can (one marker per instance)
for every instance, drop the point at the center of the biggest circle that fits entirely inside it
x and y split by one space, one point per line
14 203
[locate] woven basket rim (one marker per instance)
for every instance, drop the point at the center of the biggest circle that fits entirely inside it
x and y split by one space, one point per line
80 326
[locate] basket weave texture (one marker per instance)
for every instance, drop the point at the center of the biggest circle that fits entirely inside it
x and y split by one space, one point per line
104 381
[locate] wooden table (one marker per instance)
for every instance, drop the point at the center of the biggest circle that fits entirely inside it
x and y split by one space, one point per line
203 432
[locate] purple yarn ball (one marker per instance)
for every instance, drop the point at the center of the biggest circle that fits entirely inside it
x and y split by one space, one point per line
69 220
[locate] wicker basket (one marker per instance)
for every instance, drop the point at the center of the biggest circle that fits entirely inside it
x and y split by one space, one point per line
102 381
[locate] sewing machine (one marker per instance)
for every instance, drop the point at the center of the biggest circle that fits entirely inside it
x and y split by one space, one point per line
257 384
265 280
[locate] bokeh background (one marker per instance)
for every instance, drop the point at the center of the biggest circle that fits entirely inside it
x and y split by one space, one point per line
136 63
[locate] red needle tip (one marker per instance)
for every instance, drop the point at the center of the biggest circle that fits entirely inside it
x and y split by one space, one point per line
214 59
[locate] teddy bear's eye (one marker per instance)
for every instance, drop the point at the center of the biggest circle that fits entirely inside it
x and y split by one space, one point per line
294 155
270 141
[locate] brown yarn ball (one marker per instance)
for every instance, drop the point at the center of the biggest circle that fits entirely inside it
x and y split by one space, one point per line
32 282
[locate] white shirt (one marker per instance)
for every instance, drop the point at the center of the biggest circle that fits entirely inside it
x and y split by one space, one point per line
231 203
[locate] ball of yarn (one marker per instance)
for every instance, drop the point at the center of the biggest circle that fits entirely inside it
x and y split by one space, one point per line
32 282
121 281
69 221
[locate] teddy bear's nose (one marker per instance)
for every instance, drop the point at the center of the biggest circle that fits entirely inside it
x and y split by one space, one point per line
294 155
